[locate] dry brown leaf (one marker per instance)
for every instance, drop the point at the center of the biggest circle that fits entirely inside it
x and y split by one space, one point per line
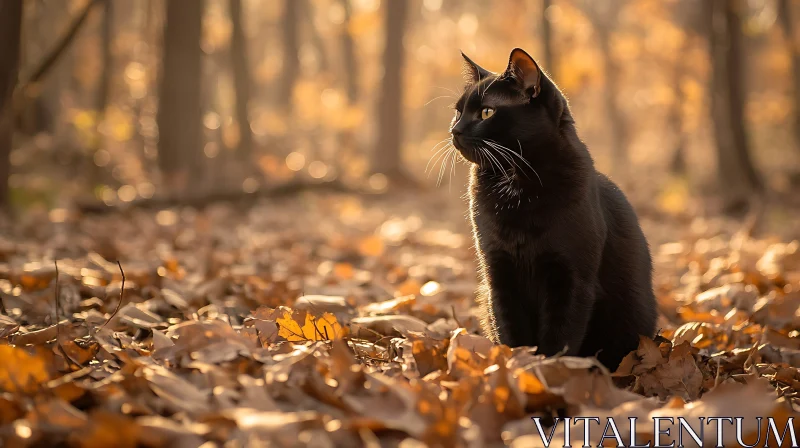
371 246
397 305
299 326
8 326
177 393
393 325
21 372
105 430
678 376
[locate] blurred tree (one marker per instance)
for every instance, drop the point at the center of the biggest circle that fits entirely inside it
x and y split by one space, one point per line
241 79
180 142
351 71
786 19
604 18
106 38
10 34
688 18
737 175
291 60
547 40
30 90
347 136
675 112
387 157
36 116
99 175
316 39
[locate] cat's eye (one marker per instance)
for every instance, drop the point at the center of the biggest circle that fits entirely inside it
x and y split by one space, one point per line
487 112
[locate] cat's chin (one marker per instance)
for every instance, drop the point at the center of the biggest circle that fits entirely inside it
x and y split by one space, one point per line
470 155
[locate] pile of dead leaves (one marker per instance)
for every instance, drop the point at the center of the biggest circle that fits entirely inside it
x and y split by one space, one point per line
334 322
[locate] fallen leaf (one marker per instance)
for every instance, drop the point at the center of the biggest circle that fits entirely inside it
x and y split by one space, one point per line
21 372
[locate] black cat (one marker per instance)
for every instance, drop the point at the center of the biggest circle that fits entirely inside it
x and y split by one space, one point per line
564 264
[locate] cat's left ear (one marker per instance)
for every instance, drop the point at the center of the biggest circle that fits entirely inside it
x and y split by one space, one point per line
473 73
524 70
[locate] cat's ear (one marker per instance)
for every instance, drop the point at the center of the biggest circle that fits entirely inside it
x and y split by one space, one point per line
524 70
473 72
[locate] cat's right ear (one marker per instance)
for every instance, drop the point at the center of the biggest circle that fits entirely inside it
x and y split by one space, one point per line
473 72
525 71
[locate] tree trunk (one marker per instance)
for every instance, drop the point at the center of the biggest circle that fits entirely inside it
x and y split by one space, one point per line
787 26
387 157
619 135
675 114
98 175
347 137
180 144
107 35
547 40
350 66
316 39
291 61
737 176
10 29
241 79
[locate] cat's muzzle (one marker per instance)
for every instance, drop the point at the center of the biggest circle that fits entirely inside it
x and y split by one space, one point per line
468 151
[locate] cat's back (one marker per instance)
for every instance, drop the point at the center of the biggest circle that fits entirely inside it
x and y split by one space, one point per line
619 215
626 267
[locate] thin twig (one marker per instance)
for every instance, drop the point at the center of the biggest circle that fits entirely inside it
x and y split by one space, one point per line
316 330
60 348
58 304
121 292
453 310
58 50
27 87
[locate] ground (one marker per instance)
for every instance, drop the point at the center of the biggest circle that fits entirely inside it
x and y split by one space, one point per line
335 320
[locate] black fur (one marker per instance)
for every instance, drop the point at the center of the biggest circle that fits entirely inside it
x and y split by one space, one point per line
564 264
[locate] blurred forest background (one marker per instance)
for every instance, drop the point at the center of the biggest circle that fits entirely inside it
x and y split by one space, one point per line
142 305
122 101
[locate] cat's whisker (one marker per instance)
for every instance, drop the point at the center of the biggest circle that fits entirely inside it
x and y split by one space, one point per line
511 161
532 169
448 89
497 162
489 158
442 167
452 170
442 152
438 98
481 156
505 157
500 147
438 153
435 157
444 140
490 85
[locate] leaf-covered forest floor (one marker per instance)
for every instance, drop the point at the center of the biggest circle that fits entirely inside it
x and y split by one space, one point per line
332 320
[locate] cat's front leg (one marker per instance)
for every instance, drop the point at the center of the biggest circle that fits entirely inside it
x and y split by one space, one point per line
512 309
567 308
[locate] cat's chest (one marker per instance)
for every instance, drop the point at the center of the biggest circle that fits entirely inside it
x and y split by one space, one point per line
511 226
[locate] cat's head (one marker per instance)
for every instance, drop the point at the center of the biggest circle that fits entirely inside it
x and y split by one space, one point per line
506 120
